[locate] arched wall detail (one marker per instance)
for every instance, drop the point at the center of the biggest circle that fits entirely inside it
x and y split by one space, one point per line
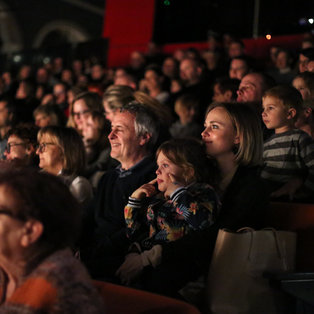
73 32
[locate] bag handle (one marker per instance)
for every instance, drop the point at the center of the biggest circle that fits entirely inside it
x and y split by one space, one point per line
251 230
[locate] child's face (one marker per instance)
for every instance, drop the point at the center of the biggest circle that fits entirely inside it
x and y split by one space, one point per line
275 115
299 84
166 167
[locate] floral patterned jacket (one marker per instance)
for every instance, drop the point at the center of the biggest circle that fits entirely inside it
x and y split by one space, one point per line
189 208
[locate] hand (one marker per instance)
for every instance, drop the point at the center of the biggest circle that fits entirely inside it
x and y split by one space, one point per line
289 188
131 268
146 190
173 185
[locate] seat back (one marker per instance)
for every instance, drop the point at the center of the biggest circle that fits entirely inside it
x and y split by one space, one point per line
299 218
119 299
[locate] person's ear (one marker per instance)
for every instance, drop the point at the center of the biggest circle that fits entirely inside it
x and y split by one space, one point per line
307 112
30 149
291 113
236 140
145 138
190 175
228 95
32 231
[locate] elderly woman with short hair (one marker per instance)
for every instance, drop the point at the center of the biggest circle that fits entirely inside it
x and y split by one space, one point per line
39 221
61 152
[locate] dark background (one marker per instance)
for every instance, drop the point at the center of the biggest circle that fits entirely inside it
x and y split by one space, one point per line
190 20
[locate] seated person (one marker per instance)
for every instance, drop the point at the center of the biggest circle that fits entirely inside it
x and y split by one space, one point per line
61 152
225 90
186 107
182 202
21 146
48 115
97 148
232 136
134 132
39 223
289 153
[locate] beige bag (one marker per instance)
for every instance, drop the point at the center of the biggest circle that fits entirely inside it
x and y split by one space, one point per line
236 283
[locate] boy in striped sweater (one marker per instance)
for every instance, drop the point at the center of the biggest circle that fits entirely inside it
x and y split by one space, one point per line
289 153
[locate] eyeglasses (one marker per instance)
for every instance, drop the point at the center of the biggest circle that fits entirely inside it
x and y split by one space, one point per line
9 145
42 147
80 113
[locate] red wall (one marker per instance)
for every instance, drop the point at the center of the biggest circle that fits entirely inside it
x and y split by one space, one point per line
128 25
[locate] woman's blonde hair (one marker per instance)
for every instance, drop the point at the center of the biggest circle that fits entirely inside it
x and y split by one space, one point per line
118 96
71 145
247 125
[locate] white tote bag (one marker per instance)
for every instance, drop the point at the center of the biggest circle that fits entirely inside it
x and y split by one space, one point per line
236 283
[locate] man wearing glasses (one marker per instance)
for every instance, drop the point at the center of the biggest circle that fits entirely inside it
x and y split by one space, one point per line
21 146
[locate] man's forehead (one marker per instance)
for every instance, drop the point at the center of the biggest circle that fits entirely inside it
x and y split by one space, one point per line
123 118
251 80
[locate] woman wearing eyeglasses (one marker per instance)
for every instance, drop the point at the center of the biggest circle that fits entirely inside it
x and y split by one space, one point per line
61 153
83 106
21 146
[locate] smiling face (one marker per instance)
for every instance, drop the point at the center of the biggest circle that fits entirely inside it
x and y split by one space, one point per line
219 135
275 115
80 113
126 145
18 149
166 167
51 157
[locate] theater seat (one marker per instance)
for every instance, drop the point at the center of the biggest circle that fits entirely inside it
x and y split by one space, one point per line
119 299
299 218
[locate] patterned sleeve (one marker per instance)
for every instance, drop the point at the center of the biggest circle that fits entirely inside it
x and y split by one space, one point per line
133 212
307 154
198 205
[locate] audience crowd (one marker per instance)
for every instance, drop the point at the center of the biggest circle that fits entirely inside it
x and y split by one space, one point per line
158 155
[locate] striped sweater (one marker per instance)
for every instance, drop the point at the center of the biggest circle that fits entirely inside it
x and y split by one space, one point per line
288 155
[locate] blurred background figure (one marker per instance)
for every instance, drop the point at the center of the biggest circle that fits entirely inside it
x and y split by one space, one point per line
97 148
49 115
83 106
186 107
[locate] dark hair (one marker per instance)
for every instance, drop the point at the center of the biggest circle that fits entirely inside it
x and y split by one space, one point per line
308 53
47 200
92 100
25 132
190 153
227 84
10 104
